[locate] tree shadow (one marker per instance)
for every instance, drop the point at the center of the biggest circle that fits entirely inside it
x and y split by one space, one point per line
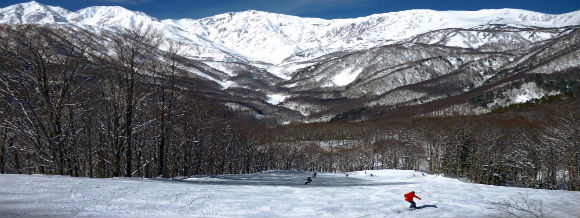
281 178
425 206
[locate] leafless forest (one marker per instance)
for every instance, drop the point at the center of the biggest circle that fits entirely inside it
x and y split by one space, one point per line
115 104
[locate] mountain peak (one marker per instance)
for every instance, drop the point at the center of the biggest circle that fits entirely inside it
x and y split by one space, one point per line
34 5
32 12
112 10
253 14
109 16
31 4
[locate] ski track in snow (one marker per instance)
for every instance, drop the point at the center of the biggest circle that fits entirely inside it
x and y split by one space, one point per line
269 194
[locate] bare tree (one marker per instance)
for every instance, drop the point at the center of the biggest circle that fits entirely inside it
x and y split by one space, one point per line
132 49
164 77
39 84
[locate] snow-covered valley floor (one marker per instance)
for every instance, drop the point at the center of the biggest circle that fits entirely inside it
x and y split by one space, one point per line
270 194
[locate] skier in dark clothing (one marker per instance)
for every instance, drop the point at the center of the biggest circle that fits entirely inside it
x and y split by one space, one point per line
308 180
314 175
409 197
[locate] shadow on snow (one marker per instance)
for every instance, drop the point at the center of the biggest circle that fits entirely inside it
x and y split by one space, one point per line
282 178
425 206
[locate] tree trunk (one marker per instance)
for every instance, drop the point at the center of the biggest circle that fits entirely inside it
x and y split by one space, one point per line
129 129
16 161
161 157
3 149
90 160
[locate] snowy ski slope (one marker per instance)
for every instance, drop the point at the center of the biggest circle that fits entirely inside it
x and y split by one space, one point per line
269 194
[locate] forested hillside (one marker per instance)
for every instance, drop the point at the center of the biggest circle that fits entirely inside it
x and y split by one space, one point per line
71 107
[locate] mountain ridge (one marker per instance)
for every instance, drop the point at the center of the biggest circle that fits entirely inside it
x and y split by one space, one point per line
288 68
271 38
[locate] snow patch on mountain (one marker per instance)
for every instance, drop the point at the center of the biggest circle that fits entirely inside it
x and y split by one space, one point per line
527 92
285 71
346 76
522 98
227 84
221 66
303 107
276 98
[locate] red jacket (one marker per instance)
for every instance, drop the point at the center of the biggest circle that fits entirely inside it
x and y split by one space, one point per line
409 196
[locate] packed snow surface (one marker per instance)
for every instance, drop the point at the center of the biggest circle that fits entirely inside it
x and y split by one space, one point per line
268 194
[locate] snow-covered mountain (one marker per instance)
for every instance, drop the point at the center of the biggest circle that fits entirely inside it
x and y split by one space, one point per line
276 38
33 12
293 67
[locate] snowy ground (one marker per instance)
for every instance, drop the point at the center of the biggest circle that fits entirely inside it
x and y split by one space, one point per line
269 194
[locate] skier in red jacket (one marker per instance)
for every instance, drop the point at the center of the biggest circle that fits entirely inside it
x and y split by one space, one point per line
409 197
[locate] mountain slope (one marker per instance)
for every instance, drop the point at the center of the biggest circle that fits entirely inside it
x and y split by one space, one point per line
288 68
271 38
33 12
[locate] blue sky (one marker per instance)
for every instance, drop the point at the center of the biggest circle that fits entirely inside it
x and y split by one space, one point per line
327 9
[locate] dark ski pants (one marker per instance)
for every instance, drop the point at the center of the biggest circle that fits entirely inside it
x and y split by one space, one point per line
413 205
